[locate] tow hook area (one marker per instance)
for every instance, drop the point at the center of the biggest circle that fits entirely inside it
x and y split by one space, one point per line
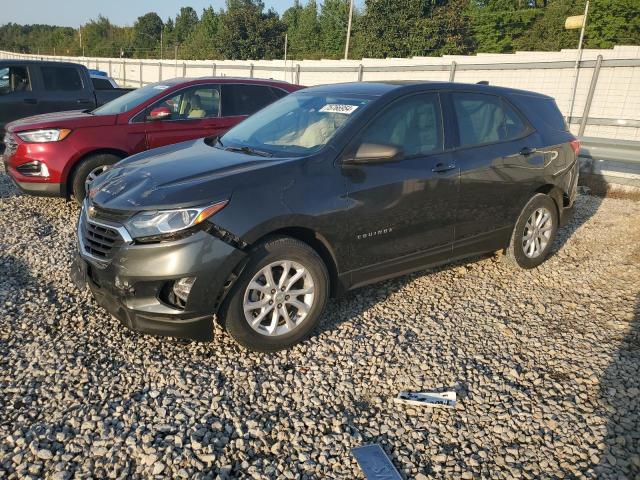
124 286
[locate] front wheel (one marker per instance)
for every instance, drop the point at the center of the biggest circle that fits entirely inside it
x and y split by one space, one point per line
279 297
87 171
534 232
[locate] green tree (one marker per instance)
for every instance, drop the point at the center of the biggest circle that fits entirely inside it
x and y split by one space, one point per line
186 23
146 34
245 31
613 22
333 19
304 33
201 44
395 32
547 32
499 24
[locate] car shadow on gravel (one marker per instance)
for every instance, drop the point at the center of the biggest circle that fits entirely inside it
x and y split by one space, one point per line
356 302
586 207
620 390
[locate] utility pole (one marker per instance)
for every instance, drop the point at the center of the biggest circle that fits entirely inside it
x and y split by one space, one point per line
346 46
161 30
286 41
569 24
81 46
176 57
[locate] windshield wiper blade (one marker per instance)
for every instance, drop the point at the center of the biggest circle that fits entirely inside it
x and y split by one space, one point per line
249 151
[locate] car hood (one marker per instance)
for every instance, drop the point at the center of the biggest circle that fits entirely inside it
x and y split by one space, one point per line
181 175
69 119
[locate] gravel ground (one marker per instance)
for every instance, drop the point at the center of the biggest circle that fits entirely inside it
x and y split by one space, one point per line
545 364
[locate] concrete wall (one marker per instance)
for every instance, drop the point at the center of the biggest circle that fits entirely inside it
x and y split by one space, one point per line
616 100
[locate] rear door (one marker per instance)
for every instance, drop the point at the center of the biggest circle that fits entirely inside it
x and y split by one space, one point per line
195 113
64 88
499 167
17 96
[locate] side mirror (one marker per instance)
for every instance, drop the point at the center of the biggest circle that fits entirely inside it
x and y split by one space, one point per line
159 113
375 153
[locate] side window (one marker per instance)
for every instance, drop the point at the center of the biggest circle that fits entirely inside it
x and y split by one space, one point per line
202 101
101 84
240 99
278 93
485 119
14 79
412 123
66 79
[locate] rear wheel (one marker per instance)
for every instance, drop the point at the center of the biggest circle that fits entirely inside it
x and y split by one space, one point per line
279 297
87 171
534 233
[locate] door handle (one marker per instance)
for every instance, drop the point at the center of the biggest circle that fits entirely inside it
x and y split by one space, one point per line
526 151
443 167
31 101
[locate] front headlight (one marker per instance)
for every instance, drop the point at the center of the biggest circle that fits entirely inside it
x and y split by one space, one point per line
159 223
45 135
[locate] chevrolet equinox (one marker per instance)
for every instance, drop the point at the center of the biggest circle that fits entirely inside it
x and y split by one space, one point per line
326 190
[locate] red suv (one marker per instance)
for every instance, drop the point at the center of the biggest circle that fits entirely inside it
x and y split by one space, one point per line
59 154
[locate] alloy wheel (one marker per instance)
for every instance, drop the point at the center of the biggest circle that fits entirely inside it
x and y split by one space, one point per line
279 298
537 232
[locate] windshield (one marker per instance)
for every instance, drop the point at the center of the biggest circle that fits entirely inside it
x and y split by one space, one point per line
130 100
298 124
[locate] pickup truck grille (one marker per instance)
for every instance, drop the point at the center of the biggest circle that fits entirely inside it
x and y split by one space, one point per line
10 145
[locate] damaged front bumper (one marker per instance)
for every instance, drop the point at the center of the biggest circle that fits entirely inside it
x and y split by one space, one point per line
133 282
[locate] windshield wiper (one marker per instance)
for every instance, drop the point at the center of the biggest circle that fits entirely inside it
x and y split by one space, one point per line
249 151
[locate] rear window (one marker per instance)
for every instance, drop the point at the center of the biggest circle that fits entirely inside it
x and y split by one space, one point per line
61 78
240 99
101 84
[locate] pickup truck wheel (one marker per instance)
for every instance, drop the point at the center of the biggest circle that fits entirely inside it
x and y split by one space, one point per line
88 170
278 298
534 233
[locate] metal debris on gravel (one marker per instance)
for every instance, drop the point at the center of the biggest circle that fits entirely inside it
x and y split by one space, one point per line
546 366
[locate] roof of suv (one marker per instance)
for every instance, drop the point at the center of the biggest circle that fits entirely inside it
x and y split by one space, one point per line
380 88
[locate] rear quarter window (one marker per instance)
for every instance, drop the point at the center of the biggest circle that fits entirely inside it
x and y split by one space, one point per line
545 110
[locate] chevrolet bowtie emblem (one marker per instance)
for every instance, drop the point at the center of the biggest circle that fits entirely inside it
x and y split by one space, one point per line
91 211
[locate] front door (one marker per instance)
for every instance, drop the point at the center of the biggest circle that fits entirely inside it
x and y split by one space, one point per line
194 112
64 89
402 212
17 99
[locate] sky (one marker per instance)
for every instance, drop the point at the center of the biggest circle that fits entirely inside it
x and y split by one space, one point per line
72 13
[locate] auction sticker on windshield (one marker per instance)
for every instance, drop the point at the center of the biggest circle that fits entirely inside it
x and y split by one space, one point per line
338 108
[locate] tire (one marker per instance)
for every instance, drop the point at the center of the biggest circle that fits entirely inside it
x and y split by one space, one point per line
86 167
539 222
271 334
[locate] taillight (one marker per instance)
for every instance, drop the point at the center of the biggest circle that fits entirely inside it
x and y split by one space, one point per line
575 145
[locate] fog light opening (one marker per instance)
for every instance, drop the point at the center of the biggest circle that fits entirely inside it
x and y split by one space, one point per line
181 290
33 169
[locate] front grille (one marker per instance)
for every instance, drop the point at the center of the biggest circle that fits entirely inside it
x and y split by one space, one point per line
100 241
10 145
117 216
